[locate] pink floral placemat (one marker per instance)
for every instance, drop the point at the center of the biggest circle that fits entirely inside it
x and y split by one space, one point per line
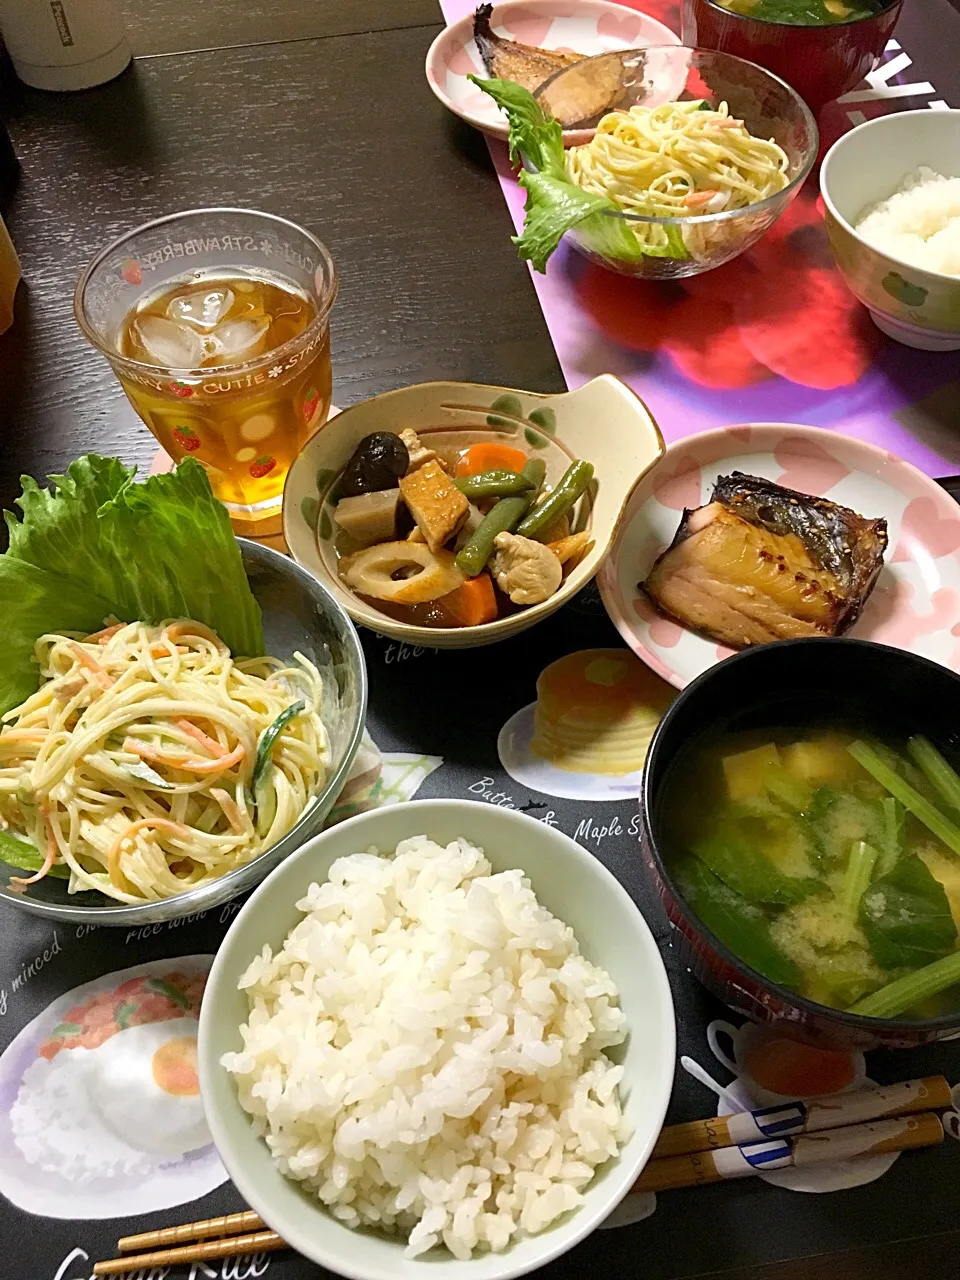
774 336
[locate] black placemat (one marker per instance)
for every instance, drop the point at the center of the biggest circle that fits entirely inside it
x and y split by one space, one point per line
412 693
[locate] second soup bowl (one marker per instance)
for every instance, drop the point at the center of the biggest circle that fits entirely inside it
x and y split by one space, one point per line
853 685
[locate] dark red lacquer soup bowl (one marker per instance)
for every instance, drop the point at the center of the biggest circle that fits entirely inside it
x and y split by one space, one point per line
852 686
820 62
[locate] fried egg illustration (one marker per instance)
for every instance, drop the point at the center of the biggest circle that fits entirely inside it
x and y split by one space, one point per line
587 734
126 1107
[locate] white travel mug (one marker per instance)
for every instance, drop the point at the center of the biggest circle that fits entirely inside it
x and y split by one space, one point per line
65 44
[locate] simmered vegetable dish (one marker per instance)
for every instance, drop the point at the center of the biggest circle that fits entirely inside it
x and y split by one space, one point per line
455 537
828 864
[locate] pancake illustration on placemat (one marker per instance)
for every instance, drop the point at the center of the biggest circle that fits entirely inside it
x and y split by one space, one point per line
100 1098
587 734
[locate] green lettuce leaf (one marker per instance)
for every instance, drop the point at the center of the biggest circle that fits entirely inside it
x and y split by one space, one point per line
553 207
96 545
33 602
533 134
554 204
25 857
174 555
58 522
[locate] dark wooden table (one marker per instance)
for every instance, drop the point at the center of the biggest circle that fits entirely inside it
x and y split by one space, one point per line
319 110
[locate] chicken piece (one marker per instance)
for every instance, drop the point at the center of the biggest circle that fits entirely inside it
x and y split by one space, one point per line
761 563
418 451
526 571
369 517
435 502
571 548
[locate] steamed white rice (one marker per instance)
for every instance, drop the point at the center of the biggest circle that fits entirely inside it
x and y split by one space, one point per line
919 223
425 1051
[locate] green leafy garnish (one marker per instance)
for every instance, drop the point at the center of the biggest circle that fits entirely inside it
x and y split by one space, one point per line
554 204
96 545
268 738
26 857
906 916
736 922
748 871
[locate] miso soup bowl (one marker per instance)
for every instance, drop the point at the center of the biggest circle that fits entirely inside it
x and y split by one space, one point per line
849 684
819 62
602 422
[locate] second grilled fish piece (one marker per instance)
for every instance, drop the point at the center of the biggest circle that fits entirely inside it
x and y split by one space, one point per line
525 64
761 563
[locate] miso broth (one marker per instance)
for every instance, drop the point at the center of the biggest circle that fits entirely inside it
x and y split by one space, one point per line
803 13
829 865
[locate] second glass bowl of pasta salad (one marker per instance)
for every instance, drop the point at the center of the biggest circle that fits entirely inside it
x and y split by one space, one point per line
693 156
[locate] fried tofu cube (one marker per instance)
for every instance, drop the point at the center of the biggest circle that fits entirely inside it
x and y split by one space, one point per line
435 502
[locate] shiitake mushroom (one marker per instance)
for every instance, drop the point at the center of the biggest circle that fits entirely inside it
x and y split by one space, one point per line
377 463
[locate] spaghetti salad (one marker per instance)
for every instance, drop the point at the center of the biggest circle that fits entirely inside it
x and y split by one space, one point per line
679 160
674 161
133 765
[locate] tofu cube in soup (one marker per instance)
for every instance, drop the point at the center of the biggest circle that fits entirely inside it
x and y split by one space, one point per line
435 502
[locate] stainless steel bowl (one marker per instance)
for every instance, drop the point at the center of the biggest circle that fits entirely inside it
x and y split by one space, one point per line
299 615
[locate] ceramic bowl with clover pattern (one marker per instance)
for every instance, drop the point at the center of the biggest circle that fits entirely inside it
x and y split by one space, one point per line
917 307
406 559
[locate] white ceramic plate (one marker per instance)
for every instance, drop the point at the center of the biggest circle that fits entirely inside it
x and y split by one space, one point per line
916 602
574 26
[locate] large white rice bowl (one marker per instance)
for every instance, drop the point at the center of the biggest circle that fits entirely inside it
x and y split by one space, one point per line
329 1082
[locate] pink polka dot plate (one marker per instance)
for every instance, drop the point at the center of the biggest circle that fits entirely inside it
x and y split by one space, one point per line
916 602
571 26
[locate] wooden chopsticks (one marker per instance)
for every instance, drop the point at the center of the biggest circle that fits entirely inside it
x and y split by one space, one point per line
201 1249
815 1131
209 1229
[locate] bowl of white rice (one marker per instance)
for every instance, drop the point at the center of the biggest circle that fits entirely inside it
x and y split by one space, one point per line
440 1034
891 188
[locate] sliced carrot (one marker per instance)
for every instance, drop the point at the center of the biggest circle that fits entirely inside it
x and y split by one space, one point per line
101 637
100 675
189 628
208 743
490 456
230 808
48 860
189 763
473 603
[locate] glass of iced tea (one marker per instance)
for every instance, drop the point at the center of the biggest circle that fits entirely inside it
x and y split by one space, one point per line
217 323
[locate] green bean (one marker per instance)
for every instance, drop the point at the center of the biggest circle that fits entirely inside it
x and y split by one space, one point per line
503 517
571 486
494 484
